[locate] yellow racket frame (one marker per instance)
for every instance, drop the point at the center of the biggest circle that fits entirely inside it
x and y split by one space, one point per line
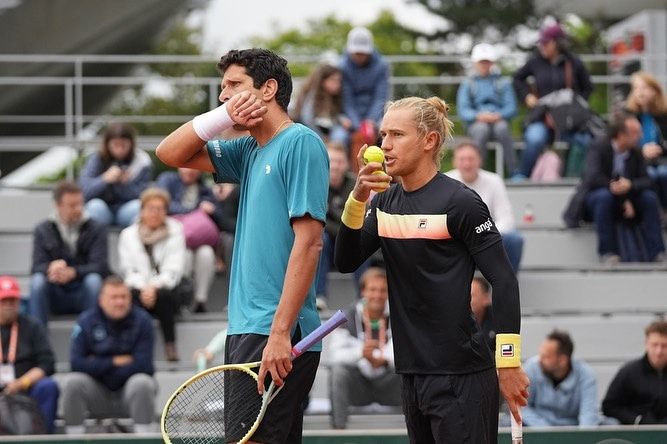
247 368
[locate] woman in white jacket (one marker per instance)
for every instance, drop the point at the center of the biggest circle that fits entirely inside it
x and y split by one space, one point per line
152 259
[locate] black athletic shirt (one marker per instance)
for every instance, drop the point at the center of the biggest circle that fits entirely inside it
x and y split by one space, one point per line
431 239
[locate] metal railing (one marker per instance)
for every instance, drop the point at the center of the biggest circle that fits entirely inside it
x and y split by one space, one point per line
74 120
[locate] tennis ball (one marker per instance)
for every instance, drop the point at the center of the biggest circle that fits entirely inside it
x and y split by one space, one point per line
375 154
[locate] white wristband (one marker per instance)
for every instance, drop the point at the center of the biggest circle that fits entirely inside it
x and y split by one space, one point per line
210 124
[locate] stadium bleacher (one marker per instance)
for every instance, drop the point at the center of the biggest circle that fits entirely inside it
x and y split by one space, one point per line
605 309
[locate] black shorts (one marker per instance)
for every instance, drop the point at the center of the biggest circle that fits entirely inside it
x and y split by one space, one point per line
455 409
283 421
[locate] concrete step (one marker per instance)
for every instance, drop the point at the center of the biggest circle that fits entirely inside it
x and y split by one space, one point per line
564 249
596 338
610 290
23 209
546 203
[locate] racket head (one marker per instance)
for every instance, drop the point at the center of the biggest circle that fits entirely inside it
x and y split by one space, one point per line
216 406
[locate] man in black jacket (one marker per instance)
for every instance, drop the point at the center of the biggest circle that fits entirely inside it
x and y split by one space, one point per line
638 393
69 258
26 357
617 187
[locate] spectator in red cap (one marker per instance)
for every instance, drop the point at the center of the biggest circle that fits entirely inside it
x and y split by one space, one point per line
552 67
25 354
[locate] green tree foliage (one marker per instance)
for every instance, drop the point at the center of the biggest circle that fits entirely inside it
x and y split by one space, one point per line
177 100
325 39
476 16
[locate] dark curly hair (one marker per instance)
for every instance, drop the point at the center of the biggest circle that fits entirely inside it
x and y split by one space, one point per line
261 65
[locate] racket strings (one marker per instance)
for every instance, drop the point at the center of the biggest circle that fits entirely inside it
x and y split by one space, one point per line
219 407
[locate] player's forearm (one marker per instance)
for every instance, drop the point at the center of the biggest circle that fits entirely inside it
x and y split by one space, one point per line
347 251
496 268
179 147
301 269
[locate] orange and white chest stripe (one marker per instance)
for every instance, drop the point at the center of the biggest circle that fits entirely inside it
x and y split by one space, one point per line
412 226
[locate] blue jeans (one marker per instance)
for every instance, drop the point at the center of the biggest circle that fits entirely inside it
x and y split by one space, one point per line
45 392
605 207
123 216
513 243
73 297
481 133
659 175
536 136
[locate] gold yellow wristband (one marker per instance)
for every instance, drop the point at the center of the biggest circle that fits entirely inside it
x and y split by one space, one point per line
508 350
353 213
26 382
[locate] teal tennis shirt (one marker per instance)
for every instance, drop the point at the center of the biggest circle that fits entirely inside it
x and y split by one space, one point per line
287 178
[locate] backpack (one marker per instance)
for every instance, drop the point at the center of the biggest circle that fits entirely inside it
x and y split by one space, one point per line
20 415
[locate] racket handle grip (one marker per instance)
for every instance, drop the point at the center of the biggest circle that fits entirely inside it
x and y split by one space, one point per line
320 332
516 430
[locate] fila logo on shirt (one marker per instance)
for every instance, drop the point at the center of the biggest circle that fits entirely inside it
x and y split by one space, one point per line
422 224
507 350
486 226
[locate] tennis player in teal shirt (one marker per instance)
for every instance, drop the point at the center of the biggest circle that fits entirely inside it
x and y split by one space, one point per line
283 172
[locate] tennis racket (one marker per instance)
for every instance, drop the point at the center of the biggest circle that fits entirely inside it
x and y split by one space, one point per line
221 404
516 430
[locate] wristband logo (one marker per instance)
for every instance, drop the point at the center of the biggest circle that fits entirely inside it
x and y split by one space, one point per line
507 350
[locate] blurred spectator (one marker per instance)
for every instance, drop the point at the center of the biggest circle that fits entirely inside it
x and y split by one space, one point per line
551 68
647 101
562 388
112 363
26 357
214 349
113 177
491 188
228 196
152 261
69 257
365 88
480 302
638 393
486 104
190 194
615 187
341 183
362 354
319 105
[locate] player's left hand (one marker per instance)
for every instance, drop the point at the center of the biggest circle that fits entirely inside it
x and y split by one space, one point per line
276 360
514 384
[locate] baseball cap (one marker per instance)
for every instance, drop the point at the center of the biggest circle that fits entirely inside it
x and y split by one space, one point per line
483 51
9 288
360 40
553 32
